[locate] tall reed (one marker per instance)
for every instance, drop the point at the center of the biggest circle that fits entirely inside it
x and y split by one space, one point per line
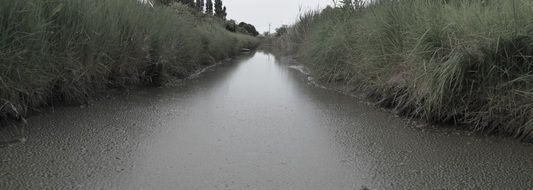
66 50
459 61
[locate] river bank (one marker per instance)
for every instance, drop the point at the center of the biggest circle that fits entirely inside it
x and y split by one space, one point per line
461 63
13 132
366 97
65 52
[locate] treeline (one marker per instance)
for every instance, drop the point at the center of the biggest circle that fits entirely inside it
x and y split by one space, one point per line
468 63
66 51
242 27
217 10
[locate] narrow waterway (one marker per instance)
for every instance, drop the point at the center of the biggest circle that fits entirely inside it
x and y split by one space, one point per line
254 123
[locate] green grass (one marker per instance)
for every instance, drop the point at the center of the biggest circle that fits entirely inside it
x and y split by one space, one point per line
457 61
66 50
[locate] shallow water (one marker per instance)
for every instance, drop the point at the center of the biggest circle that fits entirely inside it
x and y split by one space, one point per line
254 123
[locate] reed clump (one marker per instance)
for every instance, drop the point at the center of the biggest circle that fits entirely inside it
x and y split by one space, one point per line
66 50
464 62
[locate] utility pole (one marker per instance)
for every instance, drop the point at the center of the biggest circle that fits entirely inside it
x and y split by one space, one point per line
269 24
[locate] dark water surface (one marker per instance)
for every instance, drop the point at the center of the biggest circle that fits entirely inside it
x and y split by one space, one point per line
252 124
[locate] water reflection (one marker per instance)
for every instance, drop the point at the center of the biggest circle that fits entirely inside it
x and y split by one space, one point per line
254 123
258 124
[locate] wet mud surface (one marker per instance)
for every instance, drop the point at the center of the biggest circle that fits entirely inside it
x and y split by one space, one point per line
255 123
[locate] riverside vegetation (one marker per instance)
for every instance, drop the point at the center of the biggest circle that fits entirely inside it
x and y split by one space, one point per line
67 50
468 63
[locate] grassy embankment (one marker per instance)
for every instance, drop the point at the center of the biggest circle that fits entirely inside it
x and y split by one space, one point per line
463 62
67 50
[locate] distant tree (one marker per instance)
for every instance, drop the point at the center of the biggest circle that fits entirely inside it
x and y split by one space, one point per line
352 4
190 3
347 3
200 5
164 2
219 12
148 2
209 7
224 13
281 30
231 25
248 28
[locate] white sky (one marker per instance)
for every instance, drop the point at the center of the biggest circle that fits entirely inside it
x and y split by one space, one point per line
276 12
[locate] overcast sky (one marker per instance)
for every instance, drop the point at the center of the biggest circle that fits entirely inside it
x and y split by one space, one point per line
276 12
